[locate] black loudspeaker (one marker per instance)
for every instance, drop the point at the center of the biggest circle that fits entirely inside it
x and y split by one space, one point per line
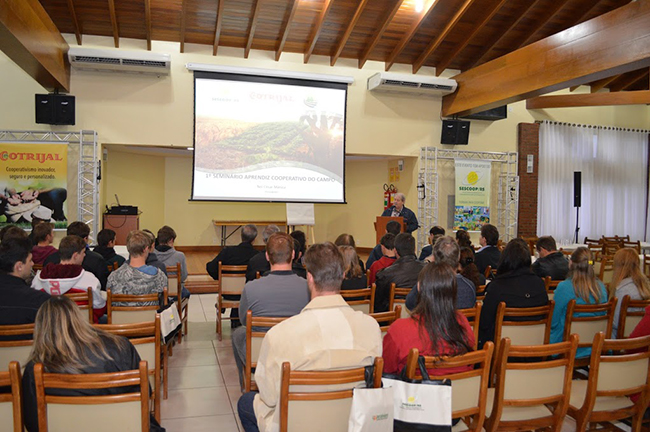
55 109
455 132
577 188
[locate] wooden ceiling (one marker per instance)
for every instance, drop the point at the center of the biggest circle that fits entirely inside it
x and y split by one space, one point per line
446 34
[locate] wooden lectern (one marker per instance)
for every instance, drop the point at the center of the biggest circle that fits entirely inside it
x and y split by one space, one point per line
380 225
122 225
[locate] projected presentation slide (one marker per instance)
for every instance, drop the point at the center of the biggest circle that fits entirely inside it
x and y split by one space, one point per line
261 141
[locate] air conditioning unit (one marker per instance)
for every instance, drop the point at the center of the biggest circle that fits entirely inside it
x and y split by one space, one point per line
411 84
141 62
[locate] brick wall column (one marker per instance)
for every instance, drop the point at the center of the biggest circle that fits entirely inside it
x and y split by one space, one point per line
528 144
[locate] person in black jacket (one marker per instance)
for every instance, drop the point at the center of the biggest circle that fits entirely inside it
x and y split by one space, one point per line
19 303
403 273
93 262
398 209
550 262
489 253
86 350
515 284
434 233
259 263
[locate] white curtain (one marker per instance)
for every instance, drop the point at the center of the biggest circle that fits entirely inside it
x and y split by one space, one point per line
614 166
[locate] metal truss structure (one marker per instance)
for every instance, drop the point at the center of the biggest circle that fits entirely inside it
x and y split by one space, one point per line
85 141
428 185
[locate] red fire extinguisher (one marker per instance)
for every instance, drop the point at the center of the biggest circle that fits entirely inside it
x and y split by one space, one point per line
389 195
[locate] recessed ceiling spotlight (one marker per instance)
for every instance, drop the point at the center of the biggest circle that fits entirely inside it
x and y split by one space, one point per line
190 148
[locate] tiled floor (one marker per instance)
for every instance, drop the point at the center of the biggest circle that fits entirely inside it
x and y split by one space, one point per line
203 383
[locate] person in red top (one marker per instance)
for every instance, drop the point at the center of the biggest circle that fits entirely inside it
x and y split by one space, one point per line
43 238
387 259
435 328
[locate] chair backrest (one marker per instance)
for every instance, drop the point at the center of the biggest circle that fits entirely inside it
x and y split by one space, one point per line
480 292
646 265
15 350
589 241
147 339
631 313
320 400
232 278
254 338
636 245
543 379
174 280
37 267
145 312
11 403
84 300
600 319
469 388
473 315
123 412
361 299
385 319
606 269
398 296
524 326
619 368
488 272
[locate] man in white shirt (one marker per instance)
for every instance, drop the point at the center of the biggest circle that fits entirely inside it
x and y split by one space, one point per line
327 325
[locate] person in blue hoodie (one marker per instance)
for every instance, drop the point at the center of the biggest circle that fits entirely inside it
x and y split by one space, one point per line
581 286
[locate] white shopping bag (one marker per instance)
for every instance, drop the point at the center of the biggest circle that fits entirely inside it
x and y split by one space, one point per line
372 410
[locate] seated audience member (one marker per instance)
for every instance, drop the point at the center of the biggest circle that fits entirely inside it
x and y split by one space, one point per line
387 244
581 286
627 280
515 284
106 248
152 258
550 262
462 237
93 262
12 231
403 273
65 343
298 251
445 251
235 255
392 227
43 236
348 240
69 276
468 269
259 262
311 340
434 327
398 209
18 301
428 249
169 256
354 277
137 277
302 241
281 293
489 253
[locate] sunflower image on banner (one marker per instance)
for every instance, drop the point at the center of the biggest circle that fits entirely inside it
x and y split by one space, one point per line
33 184
472 194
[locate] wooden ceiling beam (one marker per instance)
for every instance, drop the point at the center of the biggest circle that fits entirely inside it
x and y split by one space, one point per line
441 37
217 27
632 78
640 97
116 34
75 23
615 43
409 34
379 33
29 37
585 13
602 83
327 5
444 62
348 31
488 47
147 22
285 30
183 24
251 32
550 13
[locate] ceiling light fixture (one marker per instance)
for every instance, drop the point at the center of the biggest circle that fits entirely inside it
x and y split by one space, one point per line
419 5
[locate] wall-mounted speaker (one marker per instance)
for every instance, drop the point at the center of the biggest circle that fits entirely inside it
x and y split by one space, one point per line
55 109
455 132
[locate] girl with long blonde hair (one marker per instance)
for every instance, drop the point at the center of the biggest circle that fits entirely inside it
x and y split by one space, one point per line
582 286
355 277
627 280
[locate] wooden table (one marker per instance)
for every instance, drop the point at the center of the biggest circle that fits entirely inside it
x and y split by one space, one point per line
238 224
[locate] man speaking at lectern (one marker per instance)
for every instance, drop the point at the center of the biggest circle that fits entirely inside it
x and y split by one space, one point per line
398 210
